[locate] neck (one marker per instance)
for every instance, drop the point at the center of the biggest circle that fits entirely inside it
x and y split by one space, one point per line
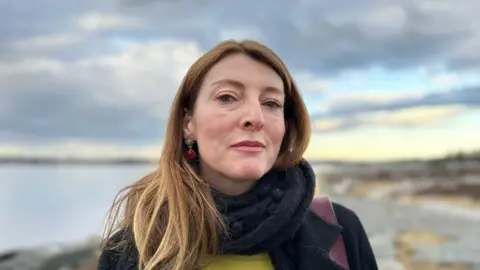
224 185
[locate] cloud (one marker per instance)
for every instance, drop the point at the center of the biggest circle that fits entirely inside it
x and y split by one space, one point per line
413 116
447 79
351 111
81 149
107 71
100 22
335 124
408 117
321 35
308 82
328 37
46 41
469 97
120 97
371 96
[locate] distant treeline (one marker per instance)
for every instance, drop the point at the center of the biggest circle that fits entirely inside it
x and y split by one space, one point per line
461 156
74 161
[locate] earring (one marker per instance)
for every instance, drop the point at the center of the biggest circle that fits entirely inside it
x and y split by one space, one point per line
190 154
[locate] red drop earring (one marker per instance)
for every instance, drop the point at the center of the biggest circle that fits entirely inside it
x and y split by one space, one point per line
190 154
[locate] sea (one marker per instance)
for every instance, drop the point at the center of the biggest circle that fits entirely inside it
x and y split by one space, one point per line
56 204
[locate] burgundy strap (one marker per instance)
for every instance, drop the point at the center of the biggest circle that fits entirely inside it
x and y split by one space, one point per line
322 206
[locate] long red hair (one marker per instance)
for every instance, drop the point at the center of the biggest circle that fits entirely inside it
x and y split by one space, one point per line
171 210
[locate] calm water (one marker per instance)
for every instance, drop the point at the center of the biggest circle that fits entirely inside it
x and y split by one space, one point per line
44 204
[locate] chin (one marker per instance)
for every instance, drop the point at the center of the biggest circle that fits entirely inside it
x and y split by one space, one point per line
248 171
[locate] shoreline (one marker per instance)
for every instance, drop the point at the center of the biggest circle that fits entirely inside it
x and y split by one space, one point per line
434 162
457 198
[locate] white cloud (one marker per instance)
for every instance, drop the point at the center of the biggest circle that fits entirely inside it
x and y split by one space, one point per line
307 82
81 149
446 79
372 96
144 72
50 41
416 115
29 66
98 21
138 83
327 124
148 73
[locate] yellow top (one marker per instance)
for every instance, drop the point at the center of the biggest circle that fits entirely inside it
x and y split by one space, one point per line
239 262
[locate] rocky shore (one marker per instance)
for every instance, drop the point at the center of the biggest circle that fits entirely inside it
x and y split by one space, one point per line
419 215
78 256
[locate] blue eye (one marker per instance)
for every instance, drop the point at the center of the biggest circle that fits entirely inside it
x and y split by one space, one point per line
272 105
226 98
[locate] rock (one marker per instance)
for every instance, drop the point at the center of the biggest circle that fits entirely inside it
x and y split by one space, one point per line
21 260
71 260
81 256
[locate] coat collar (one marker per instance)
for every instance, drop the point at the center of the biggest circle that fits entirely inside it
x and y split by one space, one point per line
315 239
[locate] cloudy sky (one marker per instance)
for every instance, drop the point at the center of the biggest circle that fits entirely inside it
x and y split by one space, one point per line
383 79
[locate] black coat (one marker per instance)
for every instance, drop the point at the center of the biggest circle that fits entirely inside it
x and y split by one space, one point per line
321 237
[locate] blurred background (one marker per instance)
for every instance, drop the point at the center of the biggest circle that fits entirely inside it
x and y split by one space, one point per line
393 89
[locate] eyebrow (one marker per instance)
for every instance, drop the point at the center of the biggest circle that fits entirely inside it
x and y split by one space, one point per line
239 84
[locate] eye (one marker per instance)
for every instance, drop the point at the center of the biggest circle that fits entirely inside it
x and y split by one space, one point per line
226 98
272 105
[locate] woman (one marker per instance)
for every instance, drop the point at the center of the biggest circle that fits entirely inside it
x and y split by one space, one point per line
232 190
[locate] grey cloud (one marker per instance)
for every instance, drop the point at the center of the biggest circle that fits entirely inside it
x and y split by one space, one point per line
36 17
49 109
469 97
330 37
344 124
325 36
322 36
470 61
350 114
334 45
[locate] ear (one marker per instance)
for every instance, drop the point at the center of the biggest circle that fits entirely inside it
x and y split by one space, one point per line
188 126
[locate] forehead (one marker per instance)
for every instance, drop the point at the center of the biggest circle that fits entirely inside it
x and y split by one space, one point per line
244 69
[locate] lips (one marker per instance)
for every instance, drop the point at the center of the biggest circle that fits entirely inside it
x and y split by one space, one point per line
256 144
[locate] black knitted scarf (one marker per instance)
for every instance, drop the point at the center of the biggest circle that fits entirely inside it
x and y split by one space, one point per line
266 218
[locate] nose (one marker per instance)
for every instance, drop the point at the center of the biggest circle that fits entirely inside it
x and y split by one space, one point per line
253 116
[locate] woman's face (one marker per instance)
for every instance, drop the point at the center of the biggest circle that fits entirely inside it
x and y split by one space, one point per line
238 122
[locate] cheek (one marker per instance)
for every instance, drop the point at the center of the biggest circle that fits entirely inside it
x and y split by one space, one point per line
211 128
212 136
277 132
280 133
